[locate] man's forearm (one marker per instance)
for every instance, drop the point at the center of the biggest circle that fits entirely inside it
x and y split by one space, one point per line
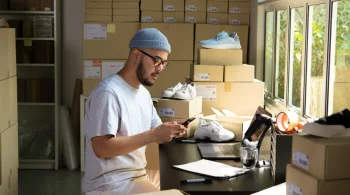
121 145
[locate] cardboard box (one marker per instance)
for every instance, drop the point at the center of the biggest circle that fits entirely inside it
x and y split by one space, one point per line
196 5
195 17
99 12
217 6
126 12
47 5
175 73
207 73
4 5
324 158
239 7
220 56
239 73
32 5
301 182
115 43
151 5
173 17
97 18
242 98
173 5
7 53
98 5
170 108
8 103
126 5
207 31
180 37
238 125
9 161
191 128
238 19
126 18
217 18
151 16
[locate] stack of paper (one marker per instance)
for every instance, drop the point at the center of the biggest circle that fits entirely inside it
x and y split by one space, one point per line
213 169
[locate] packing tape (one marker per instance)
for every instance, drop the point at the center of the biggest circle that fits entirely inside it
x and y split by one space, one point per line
287 121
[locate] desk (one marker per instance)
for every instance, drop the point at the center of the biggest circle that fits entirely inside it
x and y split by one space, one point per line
180 153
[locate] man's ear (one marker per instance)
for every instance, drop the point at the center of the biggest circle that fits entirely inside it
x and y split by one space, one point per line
135 55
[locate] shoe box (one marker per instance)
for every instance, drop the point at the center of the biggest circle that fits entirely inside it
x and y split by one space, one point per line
151 16
238 125
323 158
191 128
239 73
174 17
173 6
217 18
7 53
206 31
195 17
196 5
299 181
239 19
151 5
241 98
126 11
217 6
207 73
96 70
180 109
220 56
240 7
97 11
180 36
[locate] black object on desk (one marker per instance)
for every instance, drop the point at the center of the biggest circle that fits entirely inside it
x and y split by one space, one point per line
186 141
203 180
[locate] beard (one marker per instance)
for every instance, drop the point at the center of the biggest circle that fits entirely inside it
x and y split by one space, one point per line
142 75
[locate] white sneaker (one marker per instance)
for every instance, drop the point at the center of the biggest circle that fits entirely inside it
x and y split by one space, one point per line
213 131
187 92
169 93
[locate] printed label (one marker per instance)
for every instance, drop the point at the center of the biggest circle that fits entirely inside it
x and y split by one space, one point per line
169 7
91 72
47 9
191 8
95 31
213 21
235 21
147 19
166 112
208 92
235 10
169 19
191 19
293 189
213 9
301 160
109 68
202 77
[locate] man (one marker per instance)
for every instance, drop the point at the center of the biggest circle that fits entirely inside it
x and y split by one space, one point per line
121 120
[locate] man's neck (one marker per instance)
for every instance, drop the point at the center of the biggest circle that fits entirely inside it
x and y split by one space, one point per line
130 78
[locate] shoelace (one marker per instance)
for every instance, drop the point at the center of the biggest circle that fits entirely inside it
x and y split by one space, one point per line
171 88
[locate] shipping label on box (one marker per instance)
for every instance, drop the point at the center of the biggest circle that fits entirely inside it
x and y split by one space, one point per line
207 73
95 31
217 18
151 16
217 6
239 7
151 5
173 5
173 17
238 19
195 17
208 92
196 5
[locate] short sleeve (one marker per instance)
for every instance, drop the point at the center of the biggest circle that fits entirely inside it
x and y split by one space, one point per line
155 119
102 115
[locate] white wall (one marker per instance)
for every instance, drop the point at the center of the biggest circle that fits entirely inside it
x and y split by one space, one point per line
73 15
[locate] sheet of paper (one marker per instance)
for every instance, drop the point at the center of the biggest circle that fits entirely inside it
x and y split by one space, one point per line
208 92
211 168
92 72
95 31
109 68
279 189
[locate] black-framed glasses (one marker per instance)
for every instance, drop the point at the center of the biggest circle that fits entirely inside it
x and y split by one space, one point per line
157 60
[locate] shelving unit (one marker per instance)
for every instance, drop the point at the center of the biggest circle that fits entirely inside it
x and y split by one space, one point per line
39 118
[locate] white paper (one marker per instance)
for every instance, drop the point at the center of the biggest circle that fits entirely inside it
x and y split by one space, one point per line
169 8
92 72
109 68
169 19
235 21
211 168
213 21
202 77
95 31
167 112
301 159
147 19
293 189
191 8
88 63
278 189
235 10
208 92
191 19
213 9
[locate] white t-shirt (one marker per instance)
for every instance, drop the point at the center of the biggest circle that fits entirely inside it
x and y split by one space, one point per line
116 108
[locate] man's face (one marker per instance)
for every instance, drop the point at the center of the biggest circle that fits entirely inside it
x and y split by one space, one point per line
147 72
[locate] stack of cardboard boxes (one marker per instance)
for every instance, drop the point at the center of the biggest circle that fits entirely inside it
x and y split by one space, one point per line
151 11
126 10
8 113
173 11
196 11
98 11
235 12
319 166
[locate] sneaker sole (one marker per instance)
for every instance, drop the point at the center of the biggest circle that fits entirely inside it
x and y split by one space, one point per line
224 46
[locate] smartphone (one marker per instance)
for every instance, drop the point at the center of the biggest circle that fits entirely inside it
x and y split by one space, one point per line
188 121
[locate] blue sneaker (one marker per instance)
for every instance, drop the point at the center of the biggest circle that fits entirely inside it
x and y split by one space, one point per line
222 41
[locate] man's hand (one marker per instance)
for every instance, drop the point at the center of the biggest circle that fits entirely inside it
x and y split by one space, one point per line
167 131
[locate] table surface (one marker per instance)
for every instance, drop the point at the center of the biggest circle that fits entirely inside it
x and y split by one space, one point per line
174 153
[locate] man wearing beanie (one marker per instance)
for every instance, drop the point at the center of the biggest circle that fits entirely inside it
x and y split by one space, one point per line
121 120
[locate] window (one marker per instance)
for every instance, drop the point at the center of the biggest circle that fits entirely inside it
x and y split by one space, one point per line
339 85
296 55
281 52
315 93
268 51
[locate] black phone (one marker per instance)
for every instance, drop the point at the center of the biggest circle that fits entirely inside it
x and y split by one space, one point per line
188 121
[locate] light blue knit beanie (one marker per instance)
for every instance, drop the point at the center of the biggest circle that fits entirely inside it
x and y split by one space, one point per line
150 38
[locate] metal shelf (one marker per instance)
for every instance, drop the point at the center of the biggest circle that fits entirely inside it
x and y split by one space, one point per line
40 65
35 104
36 39
36 164
29 12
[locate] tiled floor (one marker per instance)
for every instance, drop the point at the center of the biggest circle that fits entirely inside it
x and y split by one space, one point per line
49 182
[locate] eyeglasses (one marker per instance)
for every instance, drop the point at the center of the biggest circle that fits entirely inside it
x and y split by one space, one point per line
157 60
